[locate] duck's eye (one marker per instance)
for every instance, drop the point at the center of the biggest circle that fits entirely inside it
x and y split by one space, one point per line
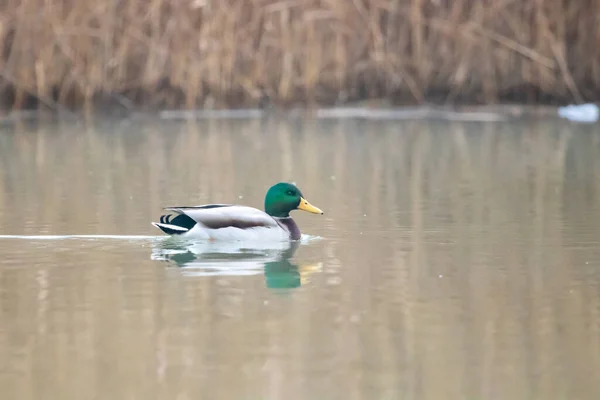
290 193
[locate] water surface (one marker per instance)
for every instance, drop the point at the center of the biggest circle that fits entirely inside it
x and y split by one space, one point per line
455 260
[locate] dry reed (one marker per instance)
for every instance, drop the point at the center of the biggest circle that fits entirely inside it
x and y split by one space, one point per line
225 53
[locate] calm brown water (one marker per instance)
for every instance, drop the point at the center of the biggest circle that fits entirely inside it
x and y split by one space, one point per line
454 261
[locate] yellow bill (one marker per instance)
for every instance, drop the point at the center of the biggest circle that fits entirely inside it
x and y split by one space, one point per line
306 206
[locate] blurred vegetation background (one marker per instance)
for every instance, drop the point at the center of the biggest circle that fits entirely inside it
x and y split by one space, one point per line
248 53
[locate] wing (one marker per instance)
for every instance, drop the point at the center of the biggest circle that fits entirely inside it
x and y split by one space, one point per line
216 216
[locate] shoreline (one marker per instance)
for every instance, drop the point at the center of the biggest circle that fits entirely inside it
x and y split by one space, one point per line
358 110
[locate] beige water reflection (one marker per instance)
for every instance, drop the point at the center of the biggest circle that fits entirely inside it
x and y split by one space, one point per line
458 261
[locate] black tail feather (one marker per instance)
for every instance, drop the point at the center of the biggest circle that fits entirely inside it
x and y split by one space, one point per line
181 220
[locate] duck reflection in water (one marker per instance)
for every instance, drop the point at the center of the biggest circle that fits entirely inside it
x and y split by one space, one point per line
274 260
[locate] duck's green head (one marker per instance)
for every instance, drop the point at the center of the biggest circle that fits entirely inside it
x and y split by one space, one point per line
285 197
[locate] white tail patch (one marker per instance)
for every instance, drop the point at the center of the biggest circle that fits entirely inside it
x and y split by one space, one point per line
170 226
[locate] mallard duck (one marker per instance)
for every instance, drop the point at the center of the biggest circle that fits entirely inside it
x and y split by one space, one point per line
236 222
